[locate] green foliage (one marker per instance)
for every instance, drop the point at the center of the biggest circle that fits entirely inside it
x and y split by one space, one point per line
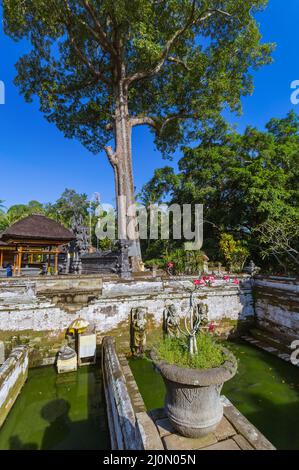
233 252
152 249
185 262
105 244
243 180
155 262
175 351
182 61
227 246
19 211
69 204
279 238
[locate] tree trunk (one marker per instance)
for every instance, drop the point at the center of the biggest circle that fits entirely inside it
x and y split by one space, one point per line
124 177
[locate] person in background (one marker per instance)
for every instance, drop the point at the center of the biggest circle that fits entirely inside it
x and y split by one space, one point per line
9 270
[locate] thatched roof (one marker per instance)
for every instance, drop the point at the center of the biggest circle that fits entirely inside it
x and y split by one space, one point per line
2 243
37 227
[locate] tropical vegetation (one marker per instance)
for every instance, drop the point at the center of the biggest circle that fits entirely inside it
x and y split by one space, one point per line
249 186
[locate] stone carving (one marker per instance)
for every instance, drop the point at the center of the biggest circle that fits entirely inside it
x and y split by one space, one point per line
252 269
80 245
192 325
171 321
66 360
65 353
197 318
202 310
138 330
115 261
125 269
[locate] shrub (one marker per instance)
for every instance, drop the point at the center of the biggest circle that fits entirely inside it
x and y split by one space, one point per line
175 351
157 262
185 262
234 252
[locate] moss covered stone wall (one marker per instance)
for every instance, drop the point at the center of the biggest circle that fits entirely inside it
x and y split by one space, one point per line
37 313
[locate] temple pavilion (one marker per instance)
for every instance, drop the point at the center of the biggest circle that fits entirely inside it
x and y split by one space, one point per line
32 242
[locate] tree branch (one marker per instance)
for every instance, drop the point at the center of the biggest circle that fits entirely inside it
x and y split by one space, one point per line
175 117
86 25
154 122
190 22
144 120
80 85
180 62
111 156
101 33
99 75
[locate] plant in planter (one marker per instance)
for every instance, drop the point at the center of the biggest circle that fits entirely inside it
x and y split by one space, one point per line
194 368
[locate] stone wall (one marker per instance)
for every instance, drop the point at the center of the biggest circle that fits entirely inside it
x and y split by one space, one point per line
13 375
37 312
128 430
276 304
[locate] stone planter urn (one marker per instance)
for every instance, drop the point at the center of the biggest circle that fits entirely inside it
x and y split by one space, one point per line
192 399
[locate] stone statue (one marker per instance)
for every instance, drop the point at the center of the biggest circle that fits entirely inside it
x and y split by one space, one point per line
138 330
171 321
196 318
80 245
203 313
252 269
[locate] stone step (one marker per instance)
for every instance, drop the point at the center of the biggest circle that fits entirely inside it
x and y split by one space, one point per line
271 339
259 343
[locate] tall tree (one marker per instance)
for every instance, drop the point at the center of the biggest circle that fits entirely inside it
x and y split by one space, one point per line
3 221
19 211
102 67
68 206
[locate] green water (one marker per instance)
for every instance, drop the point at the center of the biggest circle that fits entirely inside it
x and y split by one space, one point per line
265 390
58 412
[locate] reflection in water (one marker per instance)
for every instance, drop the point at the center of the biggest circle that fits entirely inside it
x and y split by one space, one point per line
58 412
265 390
16 444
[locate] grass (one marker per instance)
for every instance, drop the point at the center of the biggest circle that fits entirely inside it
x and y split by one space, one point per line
175 351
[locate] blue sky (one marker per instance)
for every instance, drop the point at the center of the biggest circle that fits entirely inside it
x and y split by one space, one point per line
37 162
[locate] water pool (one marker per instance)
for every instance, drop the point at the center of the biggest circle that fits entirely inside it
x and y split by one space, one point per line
265 390
58 412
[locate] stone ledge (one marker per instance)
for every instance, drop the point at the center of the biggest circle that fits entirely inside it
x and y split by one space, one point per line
13 375
269 349
245 428
150 436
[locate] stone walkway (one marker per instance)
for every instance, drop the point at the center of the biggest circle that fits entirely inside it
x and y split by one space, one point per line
234 432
